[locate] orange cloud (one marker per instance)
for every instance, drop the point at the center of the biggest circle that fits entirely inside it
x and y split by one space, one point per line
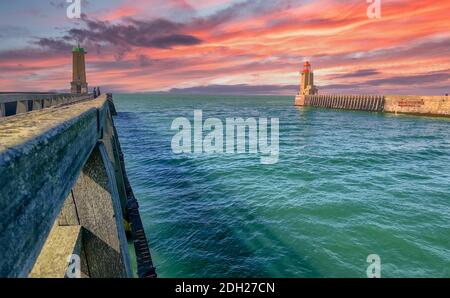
256 45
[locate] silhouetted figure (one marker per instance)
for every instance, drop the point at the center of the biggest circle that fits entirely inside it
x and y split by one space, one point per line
98 91
95 92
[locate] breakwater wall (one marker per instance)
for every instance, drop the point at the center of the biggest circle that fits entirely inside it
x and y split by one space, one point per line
348 102
17 103
410 104
65 199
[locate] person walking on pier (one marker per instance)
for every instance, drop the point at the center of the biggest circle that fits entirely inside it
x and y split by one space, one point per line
95 92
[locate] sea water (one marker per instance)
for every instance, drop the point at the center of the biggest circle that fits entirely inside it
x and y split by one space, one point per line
347 184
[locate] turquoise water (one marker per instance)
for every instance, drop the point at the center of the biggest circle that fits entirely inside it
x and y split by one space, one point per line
347 184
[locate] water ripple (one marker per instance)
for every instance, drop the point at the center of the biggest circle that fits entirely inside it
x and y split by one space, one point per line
348 184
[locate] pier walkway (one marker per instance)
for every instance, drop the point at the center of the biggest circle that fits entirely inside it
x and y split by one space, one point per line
65 199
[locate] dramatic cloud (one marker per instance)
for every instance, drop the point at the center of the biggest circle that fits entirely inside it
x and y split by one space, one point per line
420 79
230 46
358 74
53 44
433 82
132 33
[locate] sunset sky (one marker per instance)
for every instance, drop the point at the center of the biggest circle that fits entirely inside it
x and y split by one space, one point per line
235 46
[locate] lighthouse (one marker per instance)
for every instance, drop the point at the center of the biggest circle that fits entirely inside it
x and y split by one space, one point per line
306 85
307 81
78 84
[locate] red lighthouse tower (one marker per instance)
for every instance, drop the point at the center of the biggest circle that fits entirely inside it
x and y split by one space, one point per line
307 80
306 84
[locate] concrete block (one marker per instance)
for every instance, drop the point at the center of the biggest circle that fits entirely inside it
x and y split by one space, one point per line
61 244
37 104
421 105
22 106
47 103
99 212
69 213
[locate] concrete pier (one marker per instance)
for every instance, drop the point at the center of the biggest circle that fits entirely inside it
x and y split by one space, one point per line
348 102
17 103
417 105
64 192
409 104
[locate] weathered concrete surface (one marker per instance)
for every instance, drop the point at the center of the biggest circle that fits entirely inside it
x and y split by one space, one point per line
27 102
63 167
419 105
95 205
35 176
60 244
41 156
370 103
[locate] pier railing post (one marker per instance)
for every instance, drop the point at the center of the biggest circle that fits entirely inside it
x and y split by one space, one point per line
22 107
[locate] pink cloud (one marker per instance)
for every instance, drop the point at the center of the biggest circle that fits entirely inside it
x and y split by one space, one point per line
254 45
